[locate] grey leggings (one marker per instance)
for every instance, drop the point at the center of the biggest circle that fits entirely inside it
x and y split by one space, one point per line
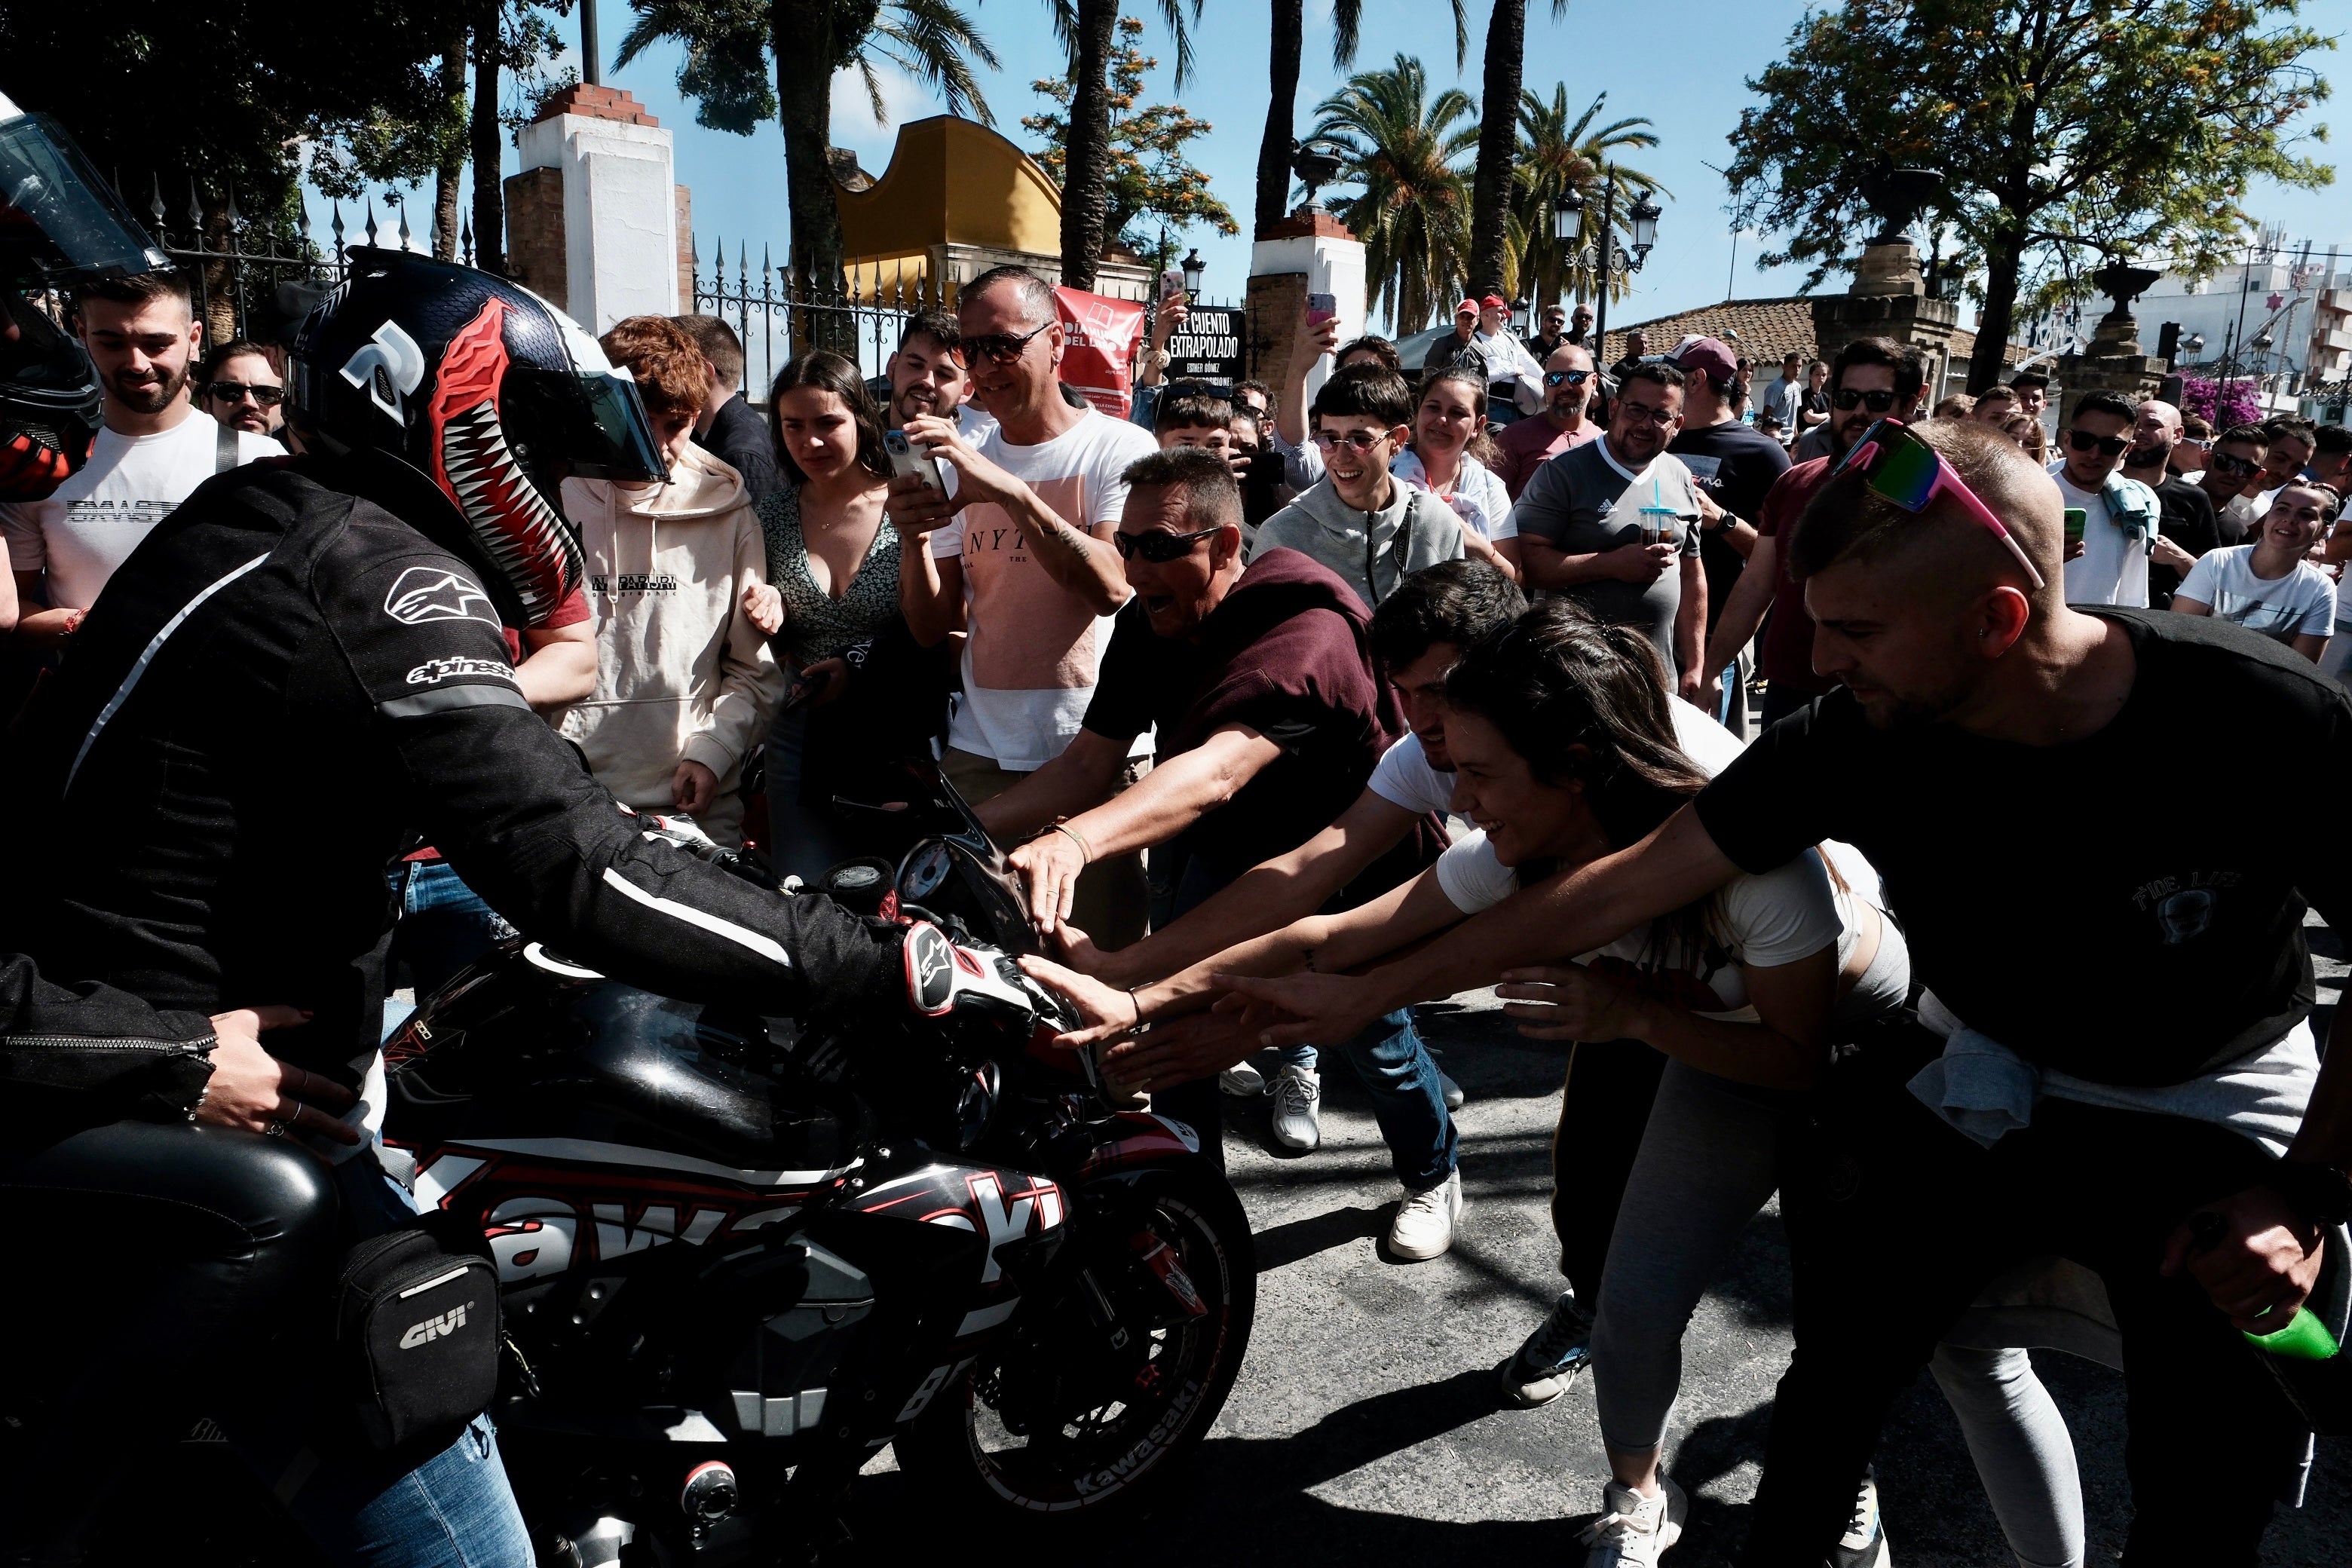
1708 1161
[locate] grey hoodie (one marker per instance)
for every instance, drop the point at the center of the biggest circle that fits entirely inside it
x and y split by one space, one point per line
1319 524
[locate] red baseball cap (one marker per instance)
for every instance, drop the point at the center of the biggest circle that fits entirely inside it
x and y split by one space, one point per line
1708 356
1496 302
1469 305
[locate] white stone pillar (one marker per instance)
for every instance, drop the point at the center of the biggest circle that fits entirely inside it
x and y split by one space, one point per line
620 205
1309 252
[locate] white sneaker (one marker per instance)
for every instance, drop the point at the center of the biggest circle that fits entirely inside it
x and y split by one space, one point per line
1424 1222
1450 1090
1864 1544
1298 1098
1242 1081
1633 1530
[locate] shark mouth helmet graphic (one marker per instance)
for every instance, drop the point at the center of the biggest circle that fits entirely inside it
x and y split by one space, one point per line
474 465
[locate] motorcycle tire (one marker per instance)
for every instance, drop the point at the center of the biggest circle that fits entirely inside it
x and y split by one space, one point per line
957 1451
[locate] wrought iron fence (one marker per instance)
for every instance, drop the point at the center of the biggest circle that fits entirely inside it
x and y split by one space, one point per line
861 315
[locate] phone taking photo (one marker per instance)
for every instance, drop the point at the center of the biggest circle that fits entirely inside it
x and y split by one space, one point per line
906 458
1171 284
1322 308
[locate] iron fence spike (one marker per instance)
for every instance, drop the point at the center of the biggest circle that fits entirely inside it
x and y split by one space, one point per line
155 204
236 217
402 197
370 230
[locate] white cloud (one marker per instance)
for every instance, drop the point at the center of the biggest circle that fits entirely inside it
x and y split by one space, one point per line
903 99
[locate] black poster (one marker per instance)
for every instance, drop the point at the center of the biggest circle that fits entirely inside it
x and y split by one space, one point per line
1208 346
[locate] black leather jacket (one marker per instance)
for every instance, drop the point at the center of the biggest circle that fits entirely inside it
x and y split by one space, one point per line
282 685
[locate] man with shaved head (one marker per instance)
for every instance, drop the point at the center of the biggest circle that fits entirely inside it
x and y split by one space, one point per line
2125 989
2187 526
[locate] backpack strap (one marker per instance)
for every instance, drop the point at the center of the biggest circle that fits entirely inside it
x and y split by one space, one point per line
224 449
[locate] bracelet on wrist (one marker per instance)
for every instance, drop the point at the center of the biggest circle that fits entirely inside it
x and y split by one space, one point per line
1085 850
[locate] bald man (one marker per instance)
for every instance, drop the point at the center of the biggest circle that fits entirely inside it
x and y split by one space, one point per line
2135 980
2189 526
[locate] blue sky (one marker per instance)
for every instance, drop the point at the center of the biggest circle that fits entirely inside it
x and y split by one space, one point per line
1682 63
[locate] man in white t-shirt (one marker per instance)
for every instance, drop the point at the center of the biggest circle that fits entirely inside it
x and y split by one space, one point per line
1020 559
141 334
2109 566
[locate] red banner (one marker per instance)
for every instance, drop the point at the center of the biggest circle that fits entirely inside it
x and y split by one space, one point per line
1101 337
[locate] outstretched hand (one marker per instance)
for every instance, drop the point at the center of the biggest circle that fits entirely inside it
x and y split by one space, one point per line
1182 1050
1105 1013
1300 1010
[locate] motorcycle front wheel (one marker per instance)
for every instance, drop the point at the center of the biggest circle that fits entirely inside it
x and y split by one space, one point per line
1041 1428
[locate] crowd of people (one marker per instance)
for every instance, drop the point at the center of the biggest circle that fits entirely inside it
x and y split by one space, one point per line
1219 676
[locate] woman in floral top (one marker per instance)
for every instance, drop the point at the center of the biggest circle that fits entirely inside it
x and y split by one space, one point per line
831 600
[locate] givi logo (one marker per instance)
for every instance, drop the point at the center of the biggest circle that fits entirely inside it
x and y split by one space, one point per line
431 1329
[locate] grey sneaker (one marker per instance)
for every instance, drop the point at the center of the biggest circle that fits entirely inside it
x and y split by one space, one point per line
1298 1098
1547 1364
1634 1530
1242 1081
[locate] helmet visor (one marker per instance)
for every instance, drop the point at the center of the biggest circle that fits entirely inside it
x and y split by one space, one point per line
59 224
590 422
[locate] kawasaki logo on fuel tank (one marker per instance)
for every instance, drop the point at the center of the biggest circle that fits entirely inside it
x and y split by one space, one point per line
431 1329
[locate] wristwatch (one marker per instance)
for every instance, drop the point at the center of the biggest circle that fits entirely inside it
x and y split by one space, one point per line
2321 1193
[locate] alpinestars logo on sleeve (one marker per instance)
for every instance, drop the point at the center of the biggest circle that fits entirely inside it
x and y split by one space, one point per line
425 594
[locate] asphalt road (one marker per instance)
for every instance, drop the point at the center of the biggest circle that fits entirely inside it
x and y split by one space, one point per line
1366 1425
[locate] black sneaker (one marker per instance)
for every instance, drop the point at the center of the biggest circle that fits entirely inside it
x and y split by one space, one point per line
1548 1364
1864 1544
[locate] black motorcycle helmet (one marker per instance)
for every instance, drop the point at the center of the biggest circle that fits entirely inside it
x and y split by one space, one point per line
59 227
486 390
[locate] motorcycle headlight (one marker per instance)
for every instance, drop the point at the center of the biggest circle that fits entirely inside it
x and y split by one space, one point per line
977 1105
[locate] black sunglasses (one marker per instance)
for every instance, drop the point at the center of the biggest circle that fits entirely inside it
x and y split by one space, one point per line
2230 465
1849 398
1158 547
235 391
1573 377
1002 347
2084 441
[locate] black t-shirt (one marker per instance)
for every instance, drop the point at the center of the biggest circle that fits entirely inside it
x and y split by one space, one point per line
1736 466
2190 521
2057 898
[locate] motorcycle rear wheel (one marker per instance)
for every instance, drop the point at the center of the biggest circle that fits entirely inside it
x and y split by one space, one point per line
1100 1460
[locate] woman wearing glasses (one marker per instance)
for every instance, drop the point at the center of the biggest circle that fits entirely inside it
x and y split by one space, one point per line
241 390
1448 427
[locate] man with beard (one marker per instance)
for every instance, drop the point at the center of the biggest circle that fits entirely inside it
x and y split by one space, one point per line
1872 378
928 376
141 333
729 428
1569 385
2187 526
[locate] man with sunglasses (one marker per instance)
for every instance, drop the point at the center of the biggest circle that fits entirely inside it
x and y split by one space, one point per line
2172 1128
2108 565
1020 559
1871 379
2233 462
1613 524
1258 687
240 390
1529 443
141 333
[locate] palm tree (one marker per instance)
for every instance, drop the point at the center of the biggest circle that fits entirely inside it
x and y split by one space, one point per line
1406 148
728 46
1493 253
1085 28
1556 155
1283 61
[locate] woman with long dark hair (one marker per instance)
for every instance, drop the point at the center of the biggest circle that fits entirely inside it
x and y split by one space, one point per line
1446 459
830 610
1567 748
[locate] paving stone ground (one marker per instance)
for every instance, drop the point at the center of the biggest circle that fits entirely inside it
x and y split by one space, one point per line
1366 1425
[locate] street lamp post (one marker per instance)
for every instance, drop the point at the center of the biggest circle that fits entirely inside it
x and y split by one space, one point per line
1642 217
1194 269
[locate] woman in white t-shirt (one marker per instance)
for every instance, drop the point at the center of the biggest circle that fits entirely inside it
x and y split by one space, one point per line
2267 586
1561 733
1449 418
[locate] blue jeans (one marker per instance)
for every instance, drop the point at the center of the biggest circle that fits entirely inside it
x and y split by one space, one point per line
444 924
1388 1056
454 1510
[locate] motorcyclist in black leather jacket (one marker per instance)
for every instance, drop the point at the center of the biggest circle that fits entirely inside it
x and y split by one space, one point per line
302 666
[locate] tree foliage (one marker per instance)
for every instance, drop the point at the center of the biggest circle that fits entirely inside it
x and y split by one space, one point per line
1407 151
1559 153
2061 130
1150 182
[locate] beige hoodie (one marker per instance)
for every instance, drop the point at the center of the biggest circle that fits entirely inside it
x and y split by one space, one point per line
680 675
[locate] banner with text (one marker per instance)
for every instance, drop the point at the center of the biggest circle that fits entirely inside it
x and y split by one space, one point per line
1208 346
1099 338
